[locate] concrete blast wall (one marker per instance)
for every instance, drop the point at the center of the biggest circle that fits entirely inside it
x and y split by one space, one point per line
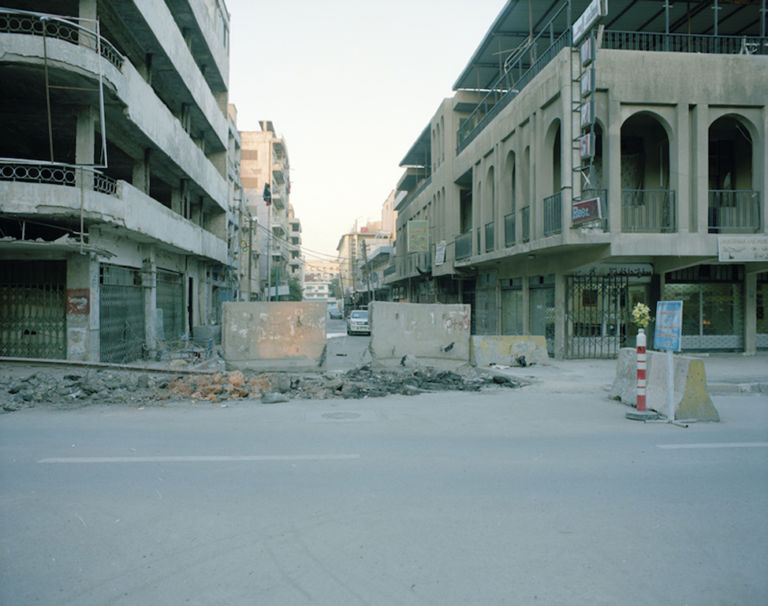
273 336
435 334
691 399
509 349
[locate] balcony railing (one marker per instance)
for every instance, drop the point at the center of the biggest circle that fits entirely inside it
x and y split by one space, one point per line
50 26
509 229
734 211
490 240
525 217
553 214
648 210
464 246
685 43
53 174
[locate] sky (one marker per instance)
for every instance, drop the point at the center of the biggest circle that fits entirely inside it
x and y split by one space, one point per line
349 85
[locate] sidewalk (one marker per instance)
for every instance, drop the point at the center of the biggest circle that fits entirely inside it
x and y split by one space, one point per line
727 373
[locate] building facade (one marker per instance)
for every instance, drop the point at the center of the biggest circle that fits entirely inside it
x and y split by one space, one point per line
118 190
577 173
275 231
319 278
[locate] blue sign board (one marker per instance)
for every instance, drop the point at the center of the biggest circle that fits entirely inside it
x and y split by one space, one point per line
669 325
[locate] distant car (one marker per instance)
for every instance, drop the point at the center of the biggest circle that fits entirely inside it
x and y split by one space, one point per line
357 322
334 313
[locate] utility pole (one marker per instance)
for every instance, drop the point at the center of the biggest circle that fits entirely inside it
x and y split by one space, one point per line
367 270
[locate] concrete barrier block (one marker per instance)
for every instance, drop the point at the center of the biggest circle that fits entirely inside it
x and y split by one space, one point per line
508 349
691 399
434 334
273 335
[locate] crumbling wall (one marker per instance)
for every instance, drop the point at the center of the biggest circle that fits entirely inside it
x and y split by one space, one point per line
273 336
435 334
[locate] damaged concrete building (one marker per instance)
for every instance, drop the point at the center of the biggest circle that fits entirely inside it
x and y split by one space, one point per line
595 155
119 176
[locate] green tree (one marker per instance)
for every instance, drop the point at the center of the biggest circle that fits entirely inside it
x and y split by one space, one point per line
295 291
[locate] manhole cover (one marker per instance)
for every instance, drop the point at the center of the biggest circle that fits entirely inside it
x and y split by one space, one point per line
341 416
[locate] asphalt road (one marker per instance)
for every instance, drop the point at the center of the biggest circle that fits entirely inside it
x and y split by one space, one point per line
522 496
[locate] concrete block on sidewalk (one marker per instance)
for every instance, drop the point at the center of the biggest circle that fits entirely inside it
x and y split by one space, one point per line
691 399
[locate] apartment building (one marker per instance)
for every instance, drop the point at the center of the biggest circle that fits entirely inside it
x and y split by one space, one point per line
265 175
593 157
319 278
364 250
118 188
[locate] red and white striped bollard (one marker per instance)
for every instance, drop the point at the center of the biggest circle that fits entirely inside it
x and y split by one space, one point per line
641 366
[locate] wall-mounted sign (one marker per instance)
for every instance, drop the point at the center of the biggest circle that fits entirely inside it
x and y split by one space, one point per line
669 325
587 146
587 51
440 253
78 301
587 113
418 235
588 82
585 210
742 248
593 12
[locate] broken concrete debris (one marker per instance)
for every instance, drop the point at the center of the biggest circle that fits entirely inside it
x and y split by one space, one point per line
100 386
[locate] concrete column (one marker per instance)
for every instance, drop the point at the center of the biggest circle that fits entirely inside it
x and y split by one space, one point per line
152 326
560 327
85 140
699 211
141 175
750 314
680 167
87 9
612 162
82 308
526 305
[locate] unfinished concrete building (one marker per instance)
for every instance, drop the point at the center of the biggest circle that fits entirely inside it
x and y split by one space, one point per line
118 189
591 159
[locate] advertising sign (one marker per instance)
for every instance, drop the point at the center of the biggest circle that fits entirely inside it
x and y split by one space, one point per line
585 210
669 325
593 12
586 146
418 235
587 113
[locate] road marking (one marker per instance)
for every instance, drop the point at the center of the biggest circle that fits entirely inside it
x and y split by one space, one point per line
202 459
714 445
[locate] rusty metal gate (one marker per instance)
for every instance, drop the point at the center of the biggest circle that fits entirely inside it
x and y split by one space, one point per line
33 316
121 314
170 299
596 315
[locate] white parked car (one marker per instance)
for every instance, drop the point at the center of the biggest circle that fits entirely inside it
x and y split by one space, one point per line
357 322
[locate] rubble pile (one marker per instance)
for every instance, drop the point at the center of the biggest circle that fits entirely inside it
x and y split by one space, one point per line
91 386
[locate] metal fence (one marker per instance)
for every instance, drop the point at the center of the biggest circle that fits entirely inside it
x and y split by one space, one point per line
490 237
509 229
597 315
648 210
553 214
464 246
734 211
33 320
121 314
525 217
685 43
